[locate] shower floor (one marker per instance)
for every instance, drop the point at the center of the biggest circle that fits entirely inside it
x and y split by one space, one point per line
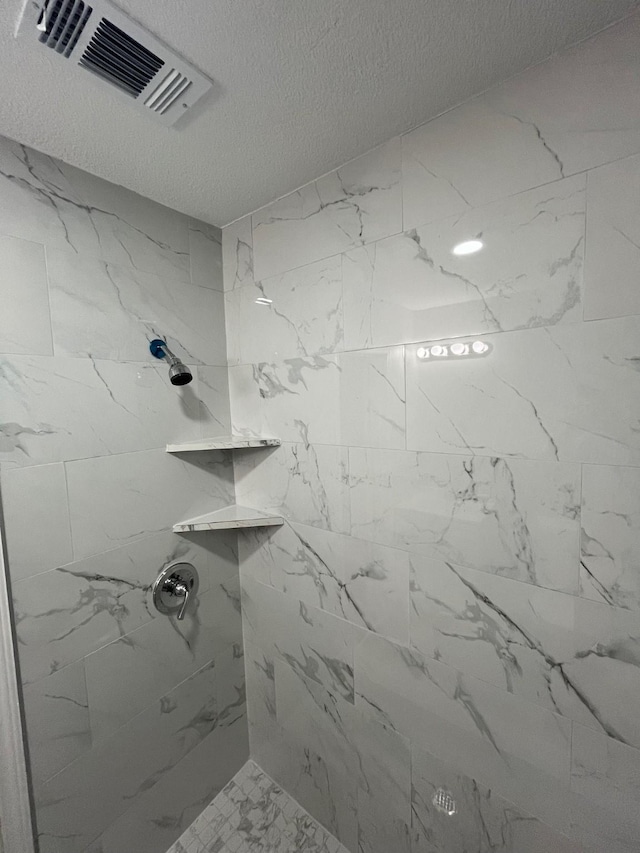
254 815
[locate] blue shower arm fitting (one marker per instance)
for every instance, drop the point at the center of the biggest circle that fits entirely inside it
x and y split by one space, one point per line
157 348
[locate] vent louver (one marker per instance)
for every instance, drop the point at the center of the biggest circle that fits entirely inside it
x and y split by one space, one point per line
101 39
61 24
119 59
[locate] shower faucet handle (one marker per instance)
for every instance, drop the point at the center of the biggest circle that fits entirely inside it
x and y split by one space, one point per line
174 588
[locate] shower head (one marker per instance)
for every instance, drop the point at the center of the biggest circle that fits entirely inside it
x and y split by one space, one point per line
179 373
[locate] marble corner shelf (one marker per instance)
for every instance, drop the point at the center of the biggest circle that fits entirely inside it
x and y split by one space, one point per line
223 442
228 518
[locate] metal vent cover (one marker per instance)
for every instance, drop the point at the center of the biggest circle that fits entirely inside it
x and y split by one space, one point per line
101 39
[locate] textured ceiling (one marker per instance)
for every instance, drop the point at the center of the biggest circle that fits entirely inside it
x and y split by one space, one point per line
301 86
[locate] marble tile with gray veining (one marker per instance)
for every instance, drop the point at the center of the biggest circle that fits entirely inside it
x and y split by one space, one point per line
237 254
610 535
148 662
58 409
56 204
521 135
36 519
125 308
514 518
157 817
117 500
503 404
360 581
572 657
474 726
305 483
528 273
205 255
80 802
213 393
64 615
604 778
372 398
297 313
314 643
261 696
483 822
57 717
356 204
290 399
354 746
25 324
613 240
354 398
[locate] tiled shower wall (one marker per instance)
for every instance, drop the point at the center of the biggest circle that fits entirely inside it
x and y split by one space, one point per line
135 721
454 600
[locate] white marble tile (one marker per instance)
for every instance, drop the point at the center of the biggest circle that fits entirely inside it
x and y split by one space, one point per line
148 662
159 815
317 719
36 519
25 324
93 791
474 726
356 204
303 482
57 715
354 398
359 581
597 829
50 202
213 393
483 822
581 105
261 696
573 657
205 255
63 615
237 254
294 399
329 796
613 241
505 404
302 318
57 409
117 500
123 309
606 774
231 689
356 749
610 519
468 157
513 518
605 669
561 117
372 398
313 642
384 786
411 287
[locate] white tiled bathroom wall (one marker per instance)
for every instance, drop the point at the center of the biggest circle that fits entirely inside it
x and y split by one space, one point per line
134 721
454 600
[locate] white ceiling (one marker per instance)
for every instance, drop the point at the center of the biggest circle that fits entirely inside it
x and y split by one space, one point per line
301 86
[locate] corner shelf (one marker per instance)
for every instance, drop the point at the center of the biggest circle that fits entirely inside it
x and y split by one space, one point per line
223 442
228 518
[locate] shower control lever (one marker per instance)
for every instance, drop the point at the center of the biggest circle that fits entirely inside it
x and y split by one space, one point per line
174 588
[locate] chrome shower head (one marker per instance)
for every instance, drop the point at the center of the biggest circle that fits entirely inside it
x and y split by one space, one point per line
179 373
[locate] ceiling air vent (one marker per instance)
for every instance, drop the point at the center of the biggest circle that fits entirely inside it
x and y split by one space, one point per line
99 38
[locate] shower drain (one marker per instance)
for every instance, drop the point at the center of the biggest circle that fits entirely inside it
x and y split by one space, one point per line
444 802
